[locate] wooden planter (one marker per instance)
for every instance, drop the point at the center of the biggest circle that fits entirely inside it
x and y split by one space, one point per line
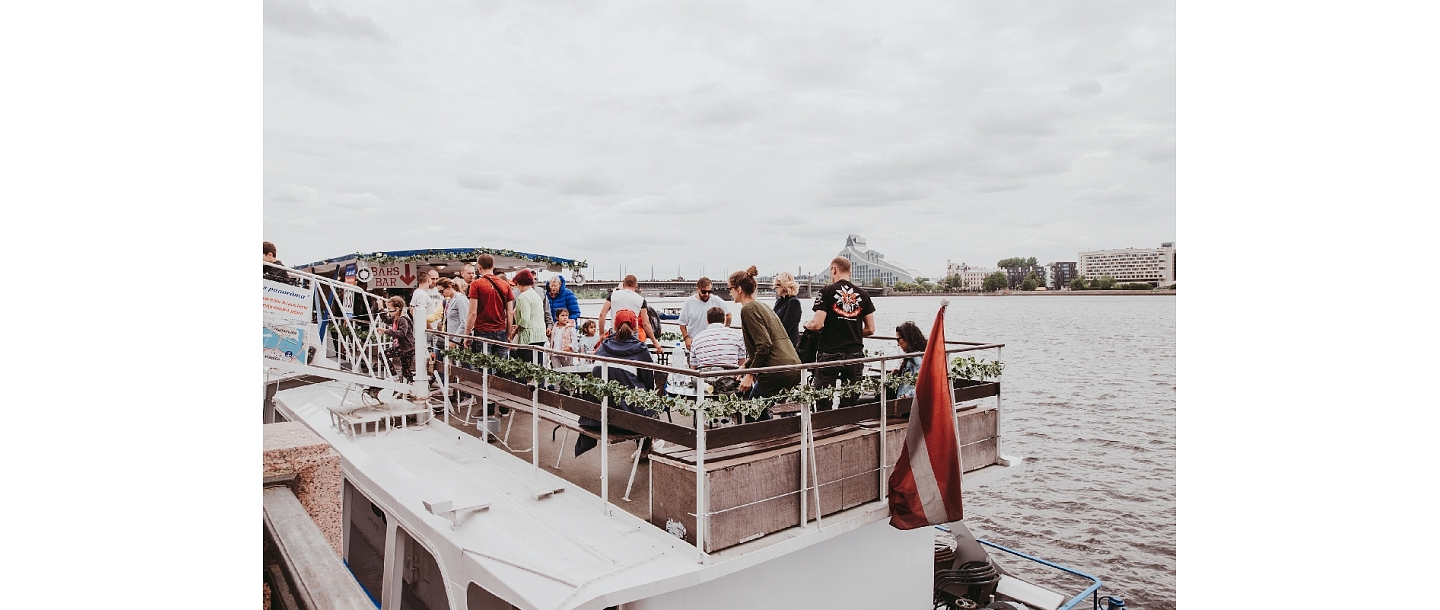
753 486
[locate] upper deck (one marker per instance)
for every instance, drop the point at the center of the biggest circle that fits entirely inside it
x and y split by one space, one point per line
496 519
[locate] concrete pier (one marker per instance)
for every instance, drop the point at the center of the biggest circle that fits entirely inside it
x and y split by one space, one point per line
292 449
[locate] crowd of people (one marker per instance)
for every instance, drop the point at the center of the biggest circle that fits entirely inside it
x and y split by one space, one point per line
486 304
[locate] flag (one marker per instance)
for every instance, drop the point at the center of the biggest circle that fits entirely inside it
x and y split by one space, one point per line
925 485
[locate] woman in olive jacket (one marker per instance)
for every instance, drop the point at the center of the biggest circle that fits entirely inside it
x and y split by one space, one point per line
766 342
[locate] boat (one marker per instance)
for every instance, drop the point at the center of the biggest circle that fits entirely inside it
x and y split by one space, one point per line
442 507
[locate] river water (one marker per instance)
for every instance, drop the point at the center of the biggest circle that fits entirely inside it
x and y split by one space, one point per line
1088 404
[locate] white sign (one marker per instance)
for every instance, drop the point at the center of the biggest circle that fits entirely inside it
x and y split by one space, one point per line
287 315
394 275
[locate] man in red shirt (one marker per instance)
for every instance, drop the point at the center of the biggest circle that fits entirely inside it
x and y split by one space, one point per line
492 308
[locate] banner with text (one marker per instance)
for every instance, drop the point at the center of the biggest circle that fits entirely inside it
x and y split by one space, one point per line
287 315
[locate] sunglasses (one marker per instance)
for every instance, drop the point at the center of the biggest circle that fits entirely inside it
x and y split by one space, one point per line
706 291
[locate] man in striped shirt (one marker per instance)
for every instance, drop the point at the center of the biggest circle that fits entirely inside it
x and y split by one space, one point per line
717 345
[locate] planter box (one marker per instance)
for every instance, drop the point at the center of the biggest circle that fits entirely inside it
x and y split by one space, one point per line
753 486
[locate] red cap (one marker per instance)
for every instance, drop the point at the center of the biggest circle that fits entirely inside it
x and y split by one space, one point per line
625 315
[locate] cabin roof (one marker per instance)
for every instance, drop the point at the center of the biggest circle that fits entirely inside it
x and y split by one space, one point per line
557 552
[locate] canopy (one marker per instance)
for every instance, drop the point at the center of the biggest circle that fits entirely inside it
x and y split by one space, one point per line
505 260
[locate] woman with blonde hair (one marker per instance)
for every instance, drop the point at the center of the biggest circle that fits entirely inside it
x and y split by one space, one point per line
766 343
787 305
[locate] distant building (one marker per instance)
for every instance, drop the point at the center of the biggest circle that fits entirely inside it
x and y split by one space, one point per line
971 278
974 278
1153 265
1061 274
867 265
1017 275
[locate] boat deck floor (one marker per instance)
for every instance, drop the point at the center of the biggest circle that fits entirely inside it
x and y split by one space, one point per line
583 471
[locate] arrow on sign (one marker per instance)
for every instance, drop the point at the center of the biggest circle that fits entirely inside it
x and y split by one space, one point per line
405 277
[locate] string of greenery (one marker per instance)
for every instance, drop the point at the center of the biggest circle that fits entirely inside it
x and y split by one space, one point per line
376 257
714 407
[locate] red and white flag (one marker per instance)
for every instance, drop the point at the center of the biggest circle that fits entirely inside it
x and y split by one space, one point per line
925 485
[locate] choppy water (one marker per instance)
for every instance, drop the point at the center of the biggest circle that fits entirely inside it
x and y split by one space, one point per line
1089 404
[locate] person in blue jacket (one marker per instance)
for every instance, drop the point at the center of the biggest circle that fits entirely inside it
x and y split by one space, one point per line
559 298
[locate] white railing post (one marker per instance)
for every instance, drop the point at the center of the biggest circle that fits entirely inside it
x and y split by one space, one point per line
804 467
535 420
701 506
999 434
808 442
884 415
485 399
604 441
959 444
422 356
445 387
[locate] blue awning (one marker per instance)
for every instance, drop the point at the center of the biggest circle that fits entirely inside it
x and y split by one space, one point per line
452 254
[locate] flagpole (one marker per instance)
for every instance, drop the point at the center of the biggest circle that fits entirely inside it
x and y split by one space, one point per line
959 459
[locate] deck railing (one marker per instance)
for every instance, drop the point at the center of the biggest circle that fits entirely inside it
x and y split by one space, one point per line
351 352
704 436
348 347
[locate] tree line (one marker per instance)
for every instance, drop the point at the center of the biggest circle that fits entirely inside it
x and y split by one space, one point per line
1000 281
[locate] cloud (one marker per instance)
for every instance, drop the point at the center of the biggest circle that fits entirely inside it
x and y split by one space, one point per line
997 187
484 181
726 112
298 197
299 18
1086 88
873 195
578 184
294 193
782 127
1016 121
666 204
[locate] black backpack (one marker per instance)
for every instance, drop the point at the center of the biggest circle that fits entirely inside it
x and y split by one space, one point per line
809 346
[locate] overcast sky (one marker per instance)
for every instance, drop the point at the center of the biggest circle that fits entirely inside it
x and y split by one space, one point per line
682 134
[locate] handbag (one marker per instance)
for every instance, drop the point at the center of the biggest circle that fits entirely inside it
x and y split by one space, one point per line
722 385
809 346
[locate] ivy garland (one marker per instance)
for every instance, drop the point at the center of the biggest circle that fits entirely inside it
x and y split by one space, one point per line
714 407
472 255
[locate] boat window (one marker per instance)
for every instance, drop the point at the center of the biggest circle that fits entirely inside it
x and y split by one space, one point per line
364 541
477 598
422 587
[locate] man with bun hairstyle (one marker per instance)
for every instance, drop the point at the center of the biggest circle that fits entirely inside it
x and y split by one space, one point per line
844 316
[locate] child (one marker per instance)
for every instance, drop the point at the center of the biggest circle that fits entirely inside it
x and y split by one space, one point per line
588 337
562 338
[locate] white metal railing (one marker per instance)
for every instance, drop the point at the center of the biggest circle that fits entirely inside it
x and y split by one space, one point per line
809 473
349 347
351 351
